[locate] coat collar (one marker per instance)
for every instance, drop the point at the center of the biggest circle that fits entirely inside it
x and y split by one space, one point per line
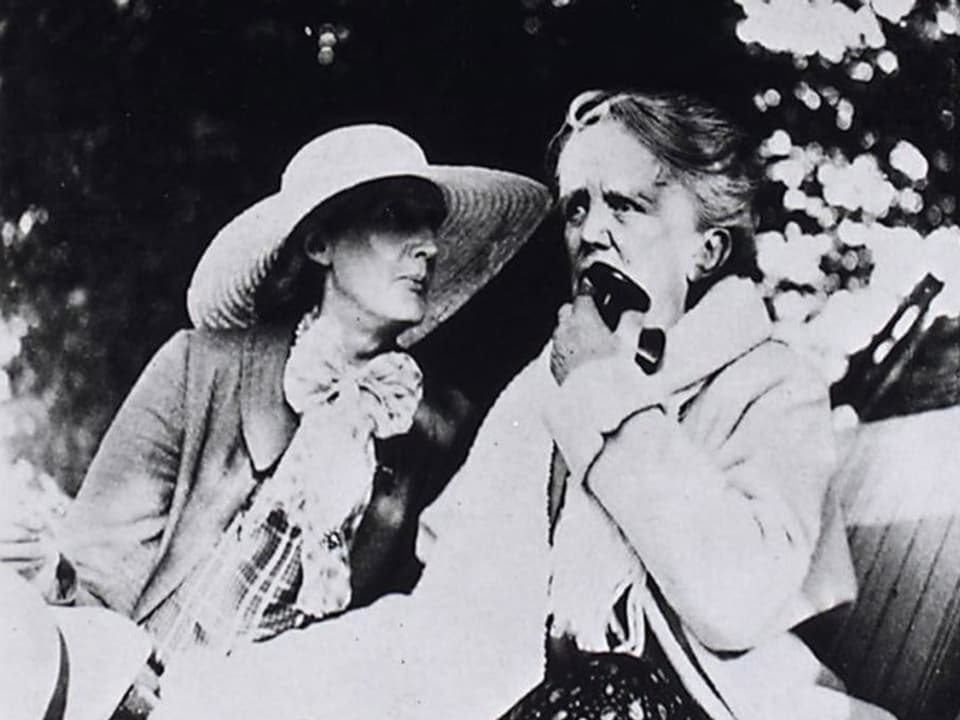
267 421
729 321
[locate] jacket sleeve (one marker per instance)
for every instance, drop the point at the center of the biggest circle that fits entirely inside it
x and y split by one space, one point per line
112 531
725 510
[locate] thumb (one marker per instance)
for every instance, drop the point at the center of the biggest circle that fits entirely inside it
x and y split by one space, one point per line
584 307
631 324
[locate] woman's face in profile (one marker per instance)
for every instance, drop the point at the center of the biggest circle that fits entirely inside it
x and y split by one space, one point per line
382 269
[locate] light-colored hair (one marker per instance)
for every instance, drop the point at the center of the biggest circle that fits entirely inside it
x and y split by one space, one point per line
699 148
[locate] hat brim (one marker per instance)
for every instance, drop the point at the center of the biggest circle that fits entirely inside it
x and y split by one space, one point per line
490 214
105 652
30 649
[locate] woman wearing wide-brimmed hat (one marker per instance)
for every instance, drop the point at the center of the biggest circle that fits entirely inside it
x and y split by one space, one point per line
246 486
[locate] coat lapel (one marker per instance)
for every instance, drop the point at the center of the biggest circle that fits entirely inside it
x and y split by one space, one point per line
267 425
267 422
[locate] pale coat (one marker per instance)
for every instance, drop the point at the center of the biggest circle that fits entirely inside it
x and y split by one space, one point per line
712 475
731 512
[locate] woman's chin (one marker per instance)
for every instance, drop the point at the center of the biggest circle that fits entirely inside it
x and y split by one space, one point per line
401 322
411 313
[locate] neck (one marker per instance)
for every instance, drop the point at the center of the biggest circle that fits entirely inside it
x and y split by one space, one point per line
362 335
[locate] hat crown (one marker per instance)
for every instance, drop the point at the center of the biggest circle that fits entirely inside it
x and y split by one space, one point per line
350 155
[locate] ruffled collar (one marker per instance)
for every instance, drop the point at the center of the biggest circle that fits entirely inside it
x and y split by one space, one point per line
388 387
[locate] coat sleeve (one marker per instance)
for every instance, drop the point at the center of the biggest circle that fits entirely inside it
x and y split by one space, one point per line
725 510
113 529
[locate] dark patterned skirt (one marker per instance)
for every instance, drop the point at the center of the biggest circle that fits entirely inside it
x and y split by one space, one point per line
611 686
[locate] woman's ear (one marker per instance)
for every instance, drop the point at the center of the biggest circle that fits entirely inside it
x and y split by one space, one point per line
711 253
318 250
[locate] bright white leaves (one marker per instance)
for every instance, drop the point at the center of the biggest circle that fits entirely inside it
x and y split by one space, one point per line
910 201
844 114
888 62
948 20
903 256
843 325
854 186
796 259
829 329
769 98
14 233
778 144
808 96
328 37
893 10
861 71
806 28
906 158
860 185
828 316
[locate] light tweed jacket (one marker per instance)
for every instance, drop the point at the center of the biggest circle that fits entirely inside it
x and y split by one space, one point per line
176 464
206 416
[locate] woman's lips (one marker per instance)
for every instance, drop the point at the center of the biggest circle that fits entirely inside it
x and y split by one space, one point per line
417 283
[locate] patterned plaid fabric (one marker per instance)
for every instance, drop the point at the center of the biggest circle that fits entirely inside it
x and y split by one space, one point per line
245 589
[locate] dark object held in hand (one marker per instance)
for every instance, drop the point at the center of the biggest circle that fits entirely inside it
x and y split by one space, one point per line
613 293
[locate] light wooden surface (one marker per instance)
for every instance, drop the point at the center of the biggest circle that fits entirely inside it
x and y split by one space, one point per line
899 645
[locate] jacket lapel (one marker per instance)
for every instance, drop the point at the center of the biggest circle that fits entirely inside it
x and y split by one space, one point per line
267 425
267 422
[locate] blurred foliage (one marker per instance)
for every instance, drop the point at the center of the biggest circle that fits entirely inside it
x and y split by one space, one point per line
861 153
131 130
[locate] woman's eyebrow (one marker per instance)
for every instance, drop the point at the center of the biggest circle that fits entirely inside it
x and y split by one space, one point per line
570 196
630 194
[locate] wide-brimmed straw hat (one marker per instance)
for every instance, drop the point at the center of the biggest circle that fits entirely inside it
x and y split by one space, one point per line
490 214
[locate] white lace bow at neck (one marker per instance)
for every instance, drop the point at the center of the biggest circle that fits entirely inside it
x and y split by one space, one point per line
324 480
387 388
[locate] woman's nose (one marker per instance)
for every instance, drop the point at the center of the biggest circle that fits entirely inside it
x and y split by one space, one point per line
426 248
595 231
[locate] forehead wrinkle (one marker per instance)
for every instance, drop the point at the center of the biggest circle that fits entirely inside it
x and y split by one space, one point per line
607 155
574 172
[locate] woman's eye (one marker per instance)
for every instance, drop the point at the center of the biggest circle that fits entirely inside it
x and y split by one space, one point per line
620 204
575 212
